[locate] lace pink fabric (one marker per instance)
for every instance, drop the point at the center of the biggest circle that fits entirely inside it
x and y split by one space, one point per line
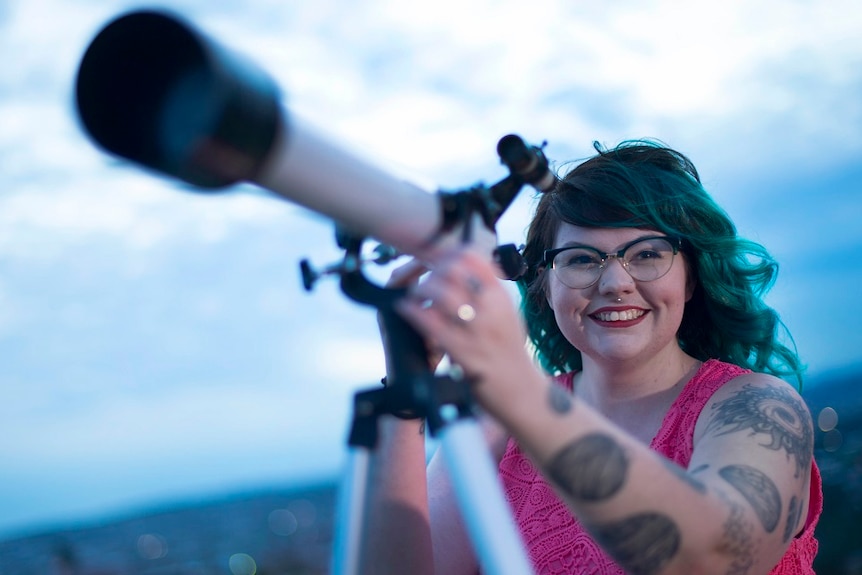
556 542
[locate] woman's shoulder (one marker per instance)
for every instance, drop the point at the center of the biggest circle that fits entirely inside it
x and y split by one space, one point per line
760 401
720 372
754 384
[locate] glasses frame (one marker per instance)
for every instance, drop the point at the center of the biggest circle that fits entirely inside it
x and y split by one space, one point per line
548 257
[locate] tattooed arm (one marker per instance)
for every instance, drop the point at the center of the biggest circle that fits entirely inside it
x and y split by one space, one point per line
754 442
733 512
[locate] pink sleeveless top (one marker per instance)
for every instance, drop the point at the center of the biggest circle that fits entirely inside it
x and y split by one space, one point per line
556 542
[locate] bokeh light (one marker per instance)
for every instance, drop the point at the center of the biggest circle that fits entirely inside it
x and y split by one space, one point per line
827 419
282 522
242 564
152 546
832 440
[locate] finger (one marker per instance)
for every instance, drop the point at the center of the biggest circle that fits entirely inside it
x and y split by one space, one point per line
407 274
477 265
447 332
452 288
436 318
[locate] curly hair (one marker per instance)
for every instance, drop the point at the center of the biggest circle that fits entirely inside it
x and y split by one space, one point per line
645 184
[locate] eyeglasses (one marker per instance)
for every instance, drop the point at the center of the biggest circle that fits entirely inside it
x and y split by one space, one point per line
645 260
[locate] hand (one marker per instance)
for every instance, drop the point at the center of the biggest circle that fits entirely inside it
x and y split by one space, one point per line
464 308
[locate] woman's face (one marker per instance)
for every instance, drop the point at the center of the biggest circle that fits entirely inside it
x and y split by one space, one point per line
648 316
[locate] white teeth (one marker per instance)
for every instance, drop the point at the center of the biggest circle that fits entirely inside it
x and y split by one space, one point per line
626 315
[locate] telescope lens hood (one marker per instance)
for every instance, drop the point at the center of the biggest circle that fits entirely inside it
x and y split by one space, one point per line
153 90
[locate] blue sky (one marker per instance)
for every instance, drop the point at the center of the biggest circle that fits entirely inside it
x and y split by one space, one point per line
156 344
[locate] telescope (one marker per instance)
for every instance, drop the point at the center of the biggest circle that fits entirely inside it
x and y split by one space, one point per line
154 90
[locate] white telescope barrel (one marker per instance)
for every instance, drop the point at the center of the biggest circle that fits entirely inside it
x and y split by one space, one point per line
155 91
308 169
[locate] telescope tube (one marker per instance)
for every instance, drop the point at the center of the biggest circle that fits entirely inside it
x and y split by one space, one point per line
153 90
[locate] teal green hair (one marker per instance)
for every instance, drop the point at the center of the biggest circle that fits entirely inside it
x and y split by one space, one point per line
644 184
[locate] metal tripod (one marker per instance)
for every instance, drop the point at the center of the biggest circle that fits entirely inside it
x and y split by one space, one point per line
445 403
413 390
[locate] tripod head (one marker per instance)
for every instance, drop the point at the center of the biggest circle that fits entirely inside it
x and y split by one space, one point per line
527 166
411 381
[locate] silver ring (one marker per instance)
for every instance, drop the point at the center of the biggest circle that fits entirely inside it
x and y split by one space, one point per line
466 312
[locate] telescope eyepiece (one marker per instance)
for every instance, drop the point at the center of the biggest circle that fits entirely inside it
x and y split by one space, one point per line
527 162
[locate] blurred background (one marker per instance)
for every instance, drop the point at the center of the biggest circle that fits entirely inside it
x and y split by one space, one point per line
164 374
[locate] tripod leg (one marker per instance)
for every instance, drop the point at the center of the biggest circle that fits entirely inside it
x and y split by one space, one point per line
486 514
351 513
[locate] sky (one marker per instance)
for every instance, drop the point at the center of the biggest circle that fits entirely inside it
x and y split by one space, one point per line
156 344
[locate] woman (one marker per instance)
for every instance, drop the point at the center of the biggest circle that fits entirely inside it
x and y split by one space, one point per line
665 440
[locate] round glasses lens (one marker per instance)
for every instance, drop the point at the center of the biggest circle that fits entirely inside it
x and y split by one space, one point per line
578 267
649 259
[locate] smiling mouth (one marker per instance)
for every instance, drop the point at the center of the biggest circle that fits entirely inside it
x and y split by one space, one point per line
626 315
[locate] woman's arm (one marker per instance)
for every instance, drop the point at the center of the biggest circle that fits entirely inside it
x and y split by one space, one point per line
397 534
414 524
735 509
754 443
